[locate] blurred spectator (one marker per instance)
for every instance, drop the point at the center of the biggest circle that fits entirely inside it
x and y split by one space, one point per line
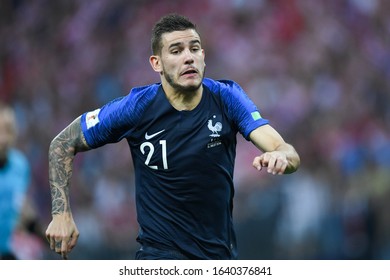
16 212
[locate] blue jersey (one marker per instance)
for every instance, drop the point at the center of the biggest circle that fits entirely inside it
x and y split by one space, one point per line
183 162
14 183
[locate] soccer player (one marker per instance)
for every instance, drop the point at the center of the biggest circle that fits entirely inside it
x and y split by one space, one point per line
182 136
14 183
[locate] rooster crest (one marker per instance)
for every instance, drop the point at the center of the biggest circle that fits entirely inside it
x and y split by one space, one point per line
217 127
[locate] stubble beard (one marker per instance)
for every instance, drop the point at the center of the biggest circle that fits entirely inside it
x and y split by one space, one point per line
179 88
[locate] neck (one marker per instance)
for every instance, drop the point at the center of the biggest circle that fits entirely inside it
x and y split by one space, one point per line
183 100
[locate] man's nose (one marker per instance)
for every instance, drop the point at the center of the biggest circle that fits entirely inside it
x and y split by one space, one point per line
188 56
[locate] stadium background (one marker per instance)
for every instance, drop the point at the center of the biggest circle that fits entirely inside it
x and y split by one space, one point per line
319 70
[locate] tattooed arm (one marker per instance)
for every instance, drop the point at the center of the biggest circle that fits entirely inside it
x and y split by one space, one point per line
62 232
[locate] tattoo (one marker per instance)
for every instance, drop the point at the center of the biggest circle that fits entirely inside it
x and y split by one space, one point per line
62 151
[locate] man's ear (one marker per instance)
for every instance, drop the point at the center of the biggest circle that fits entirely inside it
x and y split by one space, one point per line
155 62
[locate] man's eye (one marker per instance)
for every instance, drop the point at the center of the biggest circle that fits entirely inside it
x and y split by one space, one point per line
175 52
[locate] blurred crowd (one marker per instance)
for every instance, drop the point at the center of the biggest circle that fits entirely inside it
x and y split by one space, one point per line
318 70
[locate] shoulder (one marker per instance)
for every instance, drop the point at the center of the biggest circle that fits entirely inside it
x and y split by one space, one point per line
227 89
147 91
221 85
137 99
116 115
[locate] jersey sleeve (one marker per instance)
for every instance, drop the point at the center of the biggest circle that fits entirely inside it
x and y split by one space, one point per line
116 119
240 108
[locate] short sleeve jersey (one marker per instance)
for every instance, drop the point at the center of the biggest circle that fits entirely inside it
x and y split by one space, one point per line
183 163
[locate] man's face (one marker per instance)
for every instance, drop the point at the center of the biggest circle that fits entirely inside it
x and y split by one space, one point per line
182 60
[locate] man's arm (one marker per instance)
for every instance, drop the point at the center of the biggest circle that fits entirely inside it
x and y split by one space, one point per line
279 157
62 232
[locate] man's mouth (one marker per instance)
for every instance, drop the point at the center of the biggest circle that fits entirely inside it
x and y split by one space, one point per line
189 72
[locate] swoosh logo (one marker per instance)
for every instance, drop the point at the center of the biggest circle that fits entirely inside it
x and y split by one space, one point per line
147 136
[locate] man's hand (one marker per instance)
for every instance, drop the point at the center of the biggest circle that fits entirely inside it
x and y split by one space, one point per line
276 162
279 157
62 234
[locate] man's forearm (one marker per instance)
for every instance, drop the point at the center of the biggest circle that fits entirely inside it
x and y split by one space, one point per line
62 151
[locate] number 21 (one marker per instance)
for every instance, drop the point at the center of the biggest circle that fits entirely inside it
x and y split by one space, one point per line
163 144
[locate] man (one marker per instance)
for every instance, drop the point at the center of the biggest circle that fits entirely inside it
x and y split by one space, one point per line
182 137
14 183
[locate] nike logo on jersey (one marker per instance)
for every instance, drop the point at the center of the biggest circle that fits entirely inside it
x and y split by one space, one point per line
148 137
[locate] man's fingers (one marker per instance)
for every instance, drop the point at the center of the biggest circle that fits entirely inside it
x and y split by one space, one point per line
259 162
52 243
64 246
73 241
64 249
278 166
275 164
61 246
271 165
57 246
256 163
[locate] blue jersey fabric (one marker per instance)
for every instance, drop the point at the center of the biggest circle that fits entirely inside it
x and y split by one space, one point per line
14 183
183 162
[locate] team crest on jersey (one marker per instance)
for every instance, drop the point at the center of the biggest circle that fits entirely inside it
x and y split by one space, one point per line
215 127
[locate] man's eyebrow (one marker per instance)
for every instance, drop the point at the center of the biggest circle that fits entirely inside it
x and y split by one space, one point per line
192 42
196 41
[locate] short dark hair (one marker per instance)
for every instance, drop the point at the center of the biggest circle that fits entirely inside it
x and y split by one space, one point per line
169 23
